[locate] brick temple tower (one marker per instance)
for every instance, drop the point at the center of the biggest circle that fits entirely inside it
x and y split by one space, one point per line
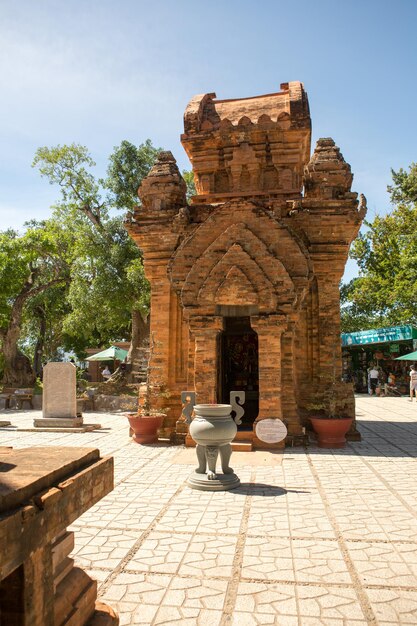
245 278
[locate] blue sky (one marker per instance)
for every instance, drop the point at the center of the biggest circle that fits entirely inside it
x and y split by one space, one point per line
96 72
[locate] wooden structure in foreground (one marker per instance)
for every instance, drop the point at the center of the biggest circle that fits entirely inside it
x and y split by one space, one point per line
245 278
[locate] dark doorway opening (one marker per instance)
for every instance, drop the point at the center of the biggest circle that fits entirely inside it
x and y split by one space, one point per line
12 606
238 366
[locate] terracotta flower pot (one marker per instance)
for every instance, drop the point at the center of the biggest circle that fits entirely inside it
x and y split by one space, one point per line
145 427
331 431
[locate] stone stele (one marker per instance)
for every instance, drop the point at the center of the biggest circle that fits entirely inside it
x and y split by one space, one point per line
59 405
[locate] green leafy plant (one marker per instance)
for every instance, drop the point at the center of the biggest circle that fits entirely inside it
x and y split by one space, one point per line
152 389
38 387
330 399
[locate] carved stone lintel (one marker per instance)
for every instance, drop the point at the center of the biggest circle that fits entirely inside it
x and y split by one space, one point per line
268 323
206 325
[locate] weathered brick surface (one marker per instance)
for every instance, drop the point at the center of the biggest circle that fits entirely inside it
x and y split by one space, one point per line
267 237
46 490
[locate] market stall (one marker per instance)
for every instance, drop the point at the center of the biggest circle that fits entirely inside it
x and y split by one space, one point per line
381 348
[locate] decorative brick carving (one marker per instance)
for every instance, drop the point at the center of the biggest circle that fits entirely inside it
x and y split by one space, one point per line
327 174
249 245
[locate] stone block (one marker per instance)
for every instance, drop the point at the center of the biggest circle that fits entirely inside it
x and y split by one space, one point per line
58 422
61 548
59 391
62 571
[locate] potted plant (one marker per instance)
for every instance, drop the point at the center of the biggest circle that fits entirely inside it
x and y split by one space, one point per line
331 421
144 424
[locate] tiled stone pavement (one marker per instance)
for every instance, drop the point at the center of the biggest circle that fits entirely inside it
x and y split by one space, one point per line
324 538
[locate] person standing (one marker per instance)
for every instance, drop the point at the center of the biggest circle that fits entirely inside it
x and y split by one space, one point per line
106 373
373 380
413 382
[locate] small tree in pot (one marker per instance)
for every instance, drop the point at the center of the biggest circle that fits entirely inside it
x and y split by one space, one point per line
332 420
144 424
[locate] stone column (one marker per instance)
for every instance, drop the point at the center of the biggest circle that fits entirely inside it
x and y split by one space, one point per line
161 394
159 331
330 369
329 325
205 331
269 329
288 382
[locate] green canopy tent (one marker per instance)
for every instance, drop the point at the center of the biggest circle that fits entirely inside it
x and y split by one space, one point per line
408 357
115 353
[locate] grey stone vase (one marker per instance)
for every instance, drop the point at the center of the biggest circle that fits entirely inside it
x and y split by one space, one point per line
213 430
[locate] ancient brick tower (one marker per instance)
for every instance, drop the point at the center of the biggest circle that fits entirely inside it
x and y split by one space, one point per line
245 278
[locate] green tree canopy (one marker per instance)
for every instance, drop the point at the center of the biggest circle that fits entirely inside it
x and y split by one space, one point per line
385 293
30 264
107 279
128 166
77 279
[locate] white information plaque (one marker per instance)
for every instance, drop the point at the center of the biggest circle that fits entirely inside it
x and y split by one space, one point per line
271 430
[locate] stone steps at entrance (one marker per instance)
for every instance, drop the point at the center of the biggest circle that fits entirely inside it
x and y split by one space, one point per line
241 446
244 435
243 441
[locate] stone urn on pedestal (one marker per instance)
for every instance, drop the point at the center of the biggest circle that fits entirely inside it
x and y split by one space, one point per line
213 430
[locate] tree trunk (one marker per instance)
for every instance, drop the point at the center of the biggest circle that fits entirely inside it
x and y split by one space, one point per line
140 331
40 343
17 369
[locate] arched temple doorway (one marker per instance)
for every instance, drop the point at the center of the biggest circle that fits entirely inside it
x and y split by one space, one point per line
238 366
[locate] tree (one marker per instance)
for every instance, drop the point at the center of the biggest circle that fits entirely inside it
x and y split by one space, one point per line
188 176
404 189
385 293
30 264
100 294
128 166
108 294
42 326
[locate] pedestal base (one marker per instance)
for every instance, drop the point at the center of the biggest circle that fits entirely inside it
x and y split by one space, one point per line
58 422
223 482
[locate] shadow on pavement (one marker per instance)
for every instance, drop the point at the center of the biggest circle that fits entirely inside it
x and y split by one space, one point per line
261 489
379 439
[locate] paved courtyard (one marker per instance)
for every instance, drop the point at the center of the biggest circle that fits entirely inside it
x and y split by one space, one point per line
312 537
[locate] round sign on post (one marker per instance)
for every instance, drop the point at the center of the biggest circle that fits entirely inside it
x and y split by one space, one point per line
271 430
